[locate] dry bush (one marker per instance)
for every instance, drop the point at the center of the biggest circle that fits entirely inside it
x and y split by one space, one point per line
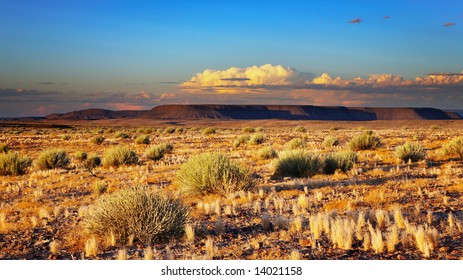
213 173
13 164
365 141
297 163
241 140
147 216
248 129
453 148
81 156
91 162
410 151
267 153
296 143
256 139
157 152
208 131
121 134
142 140
300 129
4 148
51 159
118 156
98 140
341 160
169 130
330 141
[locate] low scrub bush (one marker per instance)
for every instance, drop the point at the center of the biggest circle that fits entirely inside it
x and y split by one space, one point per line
121 135
118 156
52 159
330 141
13 164
169 130
300 129
157 152
92 162
297 163
213 173
365 141
256 139
98 140
343 161
267 153
81 156
454 148
410 151
296 143
4 148
147 216
249 129
241 140
142 140
208 131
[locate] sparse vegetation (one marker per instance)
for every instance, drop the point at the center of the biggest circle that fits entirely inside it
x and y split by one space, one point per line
51 159
365 141
213 173
411 151
454 148
209 131
121 134
267 153
142 140
157 152
256 139
98 140
330 141
119 155
297 163
296 143
343 161
4 148
300 129
241 140
147 216
249 129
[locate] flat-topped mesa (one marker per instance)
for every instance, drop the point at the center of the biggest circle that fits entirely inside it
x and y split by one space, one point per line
261 112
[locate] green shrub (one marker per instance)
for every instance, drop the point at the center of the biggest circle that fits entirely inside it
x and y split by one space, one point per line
98 140
80 156
410 151
92 162
241 140
208 131
453 148
213 173
267 153
13 164
51 159
296 143
297 163
248 129
142 140
118 156
300 129
4 148
157 152
121 135
147 216
330 141
343 161
365 141
256 139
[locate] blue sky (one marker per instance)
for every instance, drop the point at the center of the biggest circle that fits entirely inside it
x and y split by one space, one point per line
77 48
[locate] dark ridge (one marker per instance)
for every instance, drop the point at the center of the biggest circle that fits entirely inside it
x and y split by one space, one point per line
261 112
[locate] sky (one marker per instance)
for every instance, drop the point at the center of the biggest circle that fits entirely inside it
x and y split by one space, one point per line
60 56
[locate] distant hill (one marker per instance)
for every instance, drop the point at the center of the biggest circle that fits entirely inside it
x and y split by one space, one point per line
260 112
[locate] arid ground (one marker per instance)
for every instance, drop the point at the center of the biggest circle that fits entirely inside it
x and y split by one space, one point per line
382 208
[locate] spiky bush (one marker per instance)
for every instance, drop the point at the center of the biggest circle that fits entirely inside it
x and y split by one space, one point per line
169 130
92 162
142 140
4 148
296 143
119 155
300 129
256 139
249 129
343 161
297 163
241 140
410 151
81 156
98 140
453 148
365 141
208 131
13 164
330 141
267 153
121 135
157 152
51 159
148 216
213 173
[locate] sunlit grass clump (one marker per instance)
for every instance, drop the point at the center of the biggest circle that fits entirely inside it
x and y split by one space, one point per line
343 161
146 216
454 148
4 148
142 140
157 152
51 159
13 164
411 151
296 143
213 173
365 141
297 163
256 139
119 155
267 153
330 141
